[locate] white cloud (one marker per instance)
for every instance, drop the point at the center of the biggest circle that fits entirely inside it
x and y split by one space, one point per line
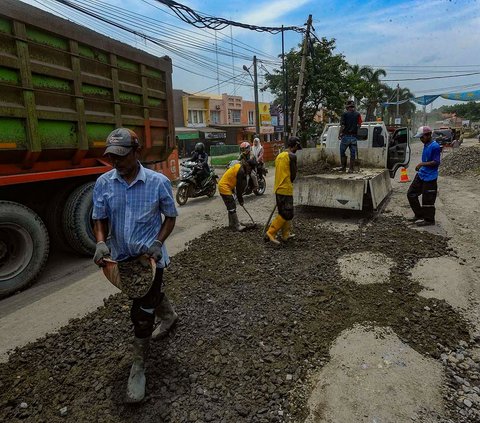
267 13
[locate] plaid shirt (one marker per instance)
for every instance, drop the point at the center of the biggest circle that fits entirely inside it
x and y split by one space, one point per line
134 211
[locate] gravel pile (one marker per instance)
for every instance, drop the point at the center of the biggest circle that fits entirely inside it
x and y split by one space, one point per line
461 160
255 321
319 167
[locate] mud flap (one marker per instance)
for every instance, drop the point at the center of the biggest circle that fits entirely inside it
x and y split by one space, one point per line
329 192
380 186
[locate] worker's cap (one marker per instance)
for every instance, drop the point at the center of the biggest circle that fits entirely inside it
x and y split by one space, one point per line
349 103
121 141
423 130
294 142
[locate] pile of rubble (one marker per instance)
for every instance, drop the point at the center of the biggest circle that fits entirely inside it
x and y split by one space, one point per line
461 160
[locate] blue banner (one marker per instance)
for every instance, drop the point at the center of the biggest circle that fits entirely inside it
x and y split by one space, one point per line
425 99
464 96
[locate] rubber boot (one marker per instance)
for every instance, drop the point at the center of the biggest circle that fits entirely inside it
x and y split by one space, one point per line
136 381
287 231
351 164
167 317
233 222
343 160
276 225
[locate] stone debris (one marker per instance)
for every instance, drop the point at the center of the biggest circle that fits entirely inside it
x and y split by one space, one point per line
461 160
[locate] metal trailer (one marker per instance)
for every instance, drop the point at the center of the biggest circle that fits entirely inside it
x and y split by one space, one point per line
380 155
64 88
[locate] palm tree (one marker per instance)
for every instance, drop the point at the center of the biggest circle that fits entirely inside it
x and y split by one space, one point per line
374 92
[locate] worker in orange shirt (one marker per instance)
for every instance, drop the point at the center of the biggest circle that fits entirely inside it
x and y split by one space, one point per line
285 173
234 180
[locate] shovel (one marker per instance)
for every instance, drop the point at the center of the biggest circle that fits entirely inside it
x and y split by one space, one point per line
265 229
249 225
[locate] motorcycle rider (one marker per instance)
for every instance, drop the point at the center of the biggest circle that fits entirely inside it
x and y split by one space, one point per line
245 155
234 179
202 170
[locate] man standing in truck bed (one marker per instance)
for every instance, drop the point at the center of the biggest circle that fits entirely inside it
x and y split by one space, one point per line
349 124
128 204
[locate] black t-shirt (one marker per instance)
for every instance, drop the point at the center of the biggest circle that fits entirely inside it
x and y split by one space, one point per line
350 122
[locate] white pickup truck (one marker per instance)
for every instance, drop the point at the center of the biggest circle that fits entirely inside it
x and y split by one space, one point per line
380 154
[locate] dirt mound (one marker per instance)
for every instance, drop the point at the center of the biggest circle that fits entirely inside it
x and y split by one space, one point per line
254 320
319 167
461 160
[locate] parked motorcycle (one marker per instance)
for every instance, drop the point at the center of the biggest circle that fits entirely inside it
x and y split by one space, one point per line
262 183
188 187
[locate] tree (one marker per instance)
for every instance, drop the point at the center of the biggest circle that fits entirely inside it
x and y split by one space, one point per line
325 83
406 110
470 110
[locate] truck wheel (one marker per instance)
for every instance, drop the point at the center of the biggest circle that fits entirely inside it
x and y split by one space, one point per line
54 219
24 246
77 220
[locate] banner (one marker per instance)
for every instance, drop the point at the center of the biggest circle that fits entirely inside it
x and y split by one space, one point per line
464 96
425 99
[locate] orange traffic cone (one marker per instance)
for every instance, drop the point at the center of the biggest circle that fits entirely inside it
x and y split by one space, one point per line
404 175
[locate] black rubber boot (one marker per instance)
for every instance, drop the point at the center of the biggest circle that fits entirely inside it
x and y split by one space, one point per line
136 381
344 163
233 222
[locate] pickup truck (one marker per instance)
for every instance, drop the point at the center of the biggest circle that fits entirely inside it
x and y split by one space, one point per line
380 155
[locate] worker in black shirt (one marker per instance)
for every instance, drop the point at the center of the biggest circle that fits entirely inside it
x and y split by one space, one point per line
349 124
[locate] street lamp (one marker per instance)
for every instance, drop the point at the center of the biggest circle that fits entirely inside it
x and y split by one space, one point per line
255 89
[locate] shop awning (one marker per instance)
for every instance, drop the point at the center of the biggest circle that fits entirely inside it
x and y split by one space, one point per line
183 133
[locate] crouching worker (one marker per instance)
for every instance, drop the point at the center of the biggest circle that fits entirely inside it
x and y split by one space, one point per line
128 204
285 173
234 180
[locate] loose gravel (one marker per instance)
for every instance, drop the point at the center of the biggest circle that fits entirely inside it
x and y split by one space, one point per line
255 320
461 160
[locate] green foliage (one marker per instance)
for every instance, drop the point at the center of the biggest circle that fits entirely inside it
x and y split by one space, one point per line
470 110
329 82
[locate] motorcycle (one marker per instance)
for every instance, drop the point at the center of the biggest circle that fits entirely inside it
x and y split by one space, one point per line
188 186
262 183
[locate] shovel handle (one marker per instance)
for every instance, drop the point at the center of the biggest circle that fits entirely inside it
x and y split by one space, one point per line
265 229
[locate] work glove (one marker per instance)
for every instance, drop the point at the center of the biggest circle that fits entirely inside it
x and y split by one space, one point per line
155 250
101 252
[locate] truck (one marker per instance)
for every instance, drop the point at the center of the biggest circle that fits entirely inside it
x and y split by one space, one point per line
380 155
64 89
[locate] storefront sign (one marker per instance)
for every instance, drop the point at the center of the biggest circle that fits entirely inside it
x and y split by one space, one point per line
215 135
187 136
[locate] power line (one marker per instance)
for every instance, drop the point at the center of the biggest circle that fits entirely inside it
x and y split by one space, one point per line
202 20
431 77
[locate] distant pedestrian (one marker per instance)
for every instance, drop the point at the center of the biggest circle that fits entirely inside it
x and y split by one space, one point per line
350 122
128 205
425 182
285 174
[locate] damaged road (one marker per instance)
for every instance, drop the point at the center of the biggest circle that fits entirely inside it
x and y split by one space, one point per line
253 327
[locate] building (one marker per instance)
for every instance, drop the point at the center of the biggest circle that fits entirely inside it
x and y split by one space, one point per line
226 114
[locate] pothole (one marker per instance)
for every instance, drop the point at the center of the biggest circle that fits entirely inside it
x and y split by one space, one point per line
443 278
366 268
374 377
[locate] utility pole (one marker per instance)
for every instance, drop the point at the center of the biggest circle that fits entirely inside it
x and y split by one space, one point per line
285 90
300 78
398 100
255 87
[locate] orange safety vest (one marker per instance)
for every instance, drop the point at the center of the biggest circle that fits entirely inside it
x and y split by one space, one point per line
228 181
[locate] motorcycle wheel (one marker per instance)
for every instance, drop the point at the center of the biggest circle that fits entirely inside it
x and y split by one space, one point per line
182 195
262 186
212 189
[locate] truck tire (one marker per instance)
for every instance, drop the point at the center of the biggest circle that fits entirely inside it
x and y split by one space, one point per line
24 247
54 219
77 220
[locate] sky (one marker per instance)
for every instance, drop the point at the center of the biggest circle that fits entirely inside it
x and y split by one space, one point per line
410 39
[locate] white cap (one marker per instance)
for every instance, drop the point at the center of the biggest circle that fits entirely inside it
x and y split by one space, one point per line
422 131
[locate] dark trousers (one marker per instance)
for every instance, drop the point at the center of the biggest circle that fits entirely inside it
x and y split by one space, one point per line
229 203
428 191
285 206
142 312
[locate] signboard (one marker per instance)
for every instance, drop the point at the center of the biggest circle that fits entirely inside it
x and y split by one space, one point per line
187 136
215 135
275 120
266 130
398 121
265 119
278 128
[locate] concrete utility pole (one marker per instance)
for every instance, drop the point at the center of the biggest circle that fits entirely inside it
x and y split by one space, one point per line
398 100
300 78
255 87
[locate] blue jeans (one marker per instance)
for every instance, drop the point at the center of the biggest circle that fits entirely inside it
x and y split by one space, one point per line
348 141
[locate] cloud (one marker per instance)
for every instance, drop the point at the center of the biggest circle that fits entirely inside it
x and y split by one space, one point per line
268 13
